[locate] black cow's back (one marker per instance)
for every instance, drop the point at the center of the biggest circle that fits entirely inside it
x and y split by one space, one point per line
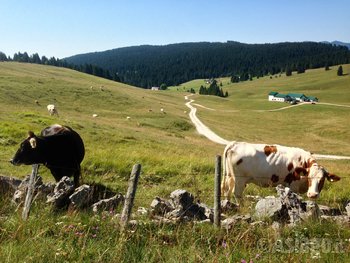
67 143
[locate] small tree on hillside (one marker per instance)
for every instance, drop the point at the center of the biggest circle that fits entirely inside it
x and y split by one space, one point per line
163 86
3 56
340 71
288 71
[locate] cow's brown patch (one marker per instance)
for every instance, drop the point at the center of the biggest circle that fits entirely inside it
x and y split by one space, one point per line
290 167
310 182
239 161
289 178
268 149
274 178
310 162
320 184
300 171
293 176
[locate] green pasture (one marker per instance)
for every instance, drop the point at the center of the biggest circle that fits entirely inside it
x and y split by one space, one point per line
172 154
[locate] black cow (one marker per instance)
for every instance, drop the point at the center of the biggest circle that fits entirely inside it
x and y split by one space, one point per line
58 147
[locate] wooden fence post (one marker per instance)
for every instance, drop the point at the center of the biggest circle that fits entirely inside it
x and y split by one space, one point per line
130 195
217 192
30 192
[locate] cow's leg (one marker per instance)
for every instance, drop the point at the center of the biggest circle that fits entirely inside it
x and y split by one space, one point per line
224 186
230 186
77 176
57 173
238 189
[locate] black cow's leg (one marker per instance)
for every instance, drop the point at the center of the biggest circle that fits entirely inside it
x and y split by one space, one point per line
77 176
57 174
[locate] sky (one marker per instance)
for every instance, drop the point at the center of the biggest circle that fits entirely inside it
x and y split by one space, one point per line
62 28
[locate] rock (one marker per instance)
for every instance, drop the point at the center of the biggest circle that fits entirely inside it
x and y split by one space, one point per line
160 206
347 208
181 198
208 212
142 211
176 213
60 197
341 220
227 206
196 211
40 190
8 185
230 222
81 197
272 208
108 204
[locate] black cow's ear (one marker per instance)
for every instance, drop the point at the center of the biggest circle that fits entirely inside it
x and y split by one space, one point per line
31 134
333 178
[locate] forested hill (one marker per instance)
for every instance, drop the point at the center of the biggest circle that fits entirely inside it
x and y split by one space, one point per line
147 66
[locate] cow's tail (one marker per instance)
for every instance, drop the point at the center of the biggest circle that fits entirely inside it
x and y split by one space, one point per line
226 168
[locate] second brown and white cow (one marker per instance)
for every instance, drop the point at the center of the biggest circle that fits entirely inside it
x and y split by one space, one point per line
271 165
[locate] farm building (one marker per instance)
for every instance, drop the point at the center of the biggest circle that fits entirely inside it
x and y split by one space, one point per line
290 97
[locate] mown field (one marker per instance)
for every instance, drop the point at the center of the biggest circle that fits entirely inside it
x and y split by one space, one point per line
172 156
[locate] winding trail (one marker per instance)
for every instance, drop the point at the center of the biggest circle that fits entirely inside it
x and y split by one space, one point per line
205 131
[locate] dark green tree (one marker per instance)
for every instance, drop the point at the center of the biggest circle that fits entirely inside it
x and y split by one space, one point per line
234 79
35 59
326 67
340 71
3 56
163 86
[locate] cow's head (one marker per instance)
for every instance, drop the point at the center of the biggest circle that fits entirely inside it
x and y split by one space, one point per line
28 152
316 177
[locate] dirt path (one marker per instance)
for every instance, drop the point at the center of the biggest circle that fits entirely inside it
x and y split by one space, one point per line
205 131
201 128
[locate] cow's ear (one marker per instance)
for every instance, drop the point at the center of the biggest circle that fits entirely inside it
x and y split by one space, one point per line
333 178
32 142
31 134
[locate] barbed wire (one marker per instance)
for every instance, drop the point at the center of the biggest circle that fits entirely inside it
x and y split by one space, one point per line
176 174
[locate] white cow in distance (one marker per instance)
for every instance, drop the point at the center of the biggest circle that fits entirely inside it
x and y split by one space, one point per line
51 108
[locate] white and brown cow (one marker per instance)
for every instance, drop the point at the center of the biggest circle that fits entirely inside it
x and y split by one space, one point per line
271 165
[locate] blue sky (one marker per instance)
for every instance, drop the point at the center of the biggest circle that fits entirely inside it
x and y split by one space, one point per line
64 28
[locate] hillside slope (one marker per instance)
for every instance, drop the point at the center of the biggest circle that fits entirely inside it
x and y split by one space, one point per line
171 152
113 142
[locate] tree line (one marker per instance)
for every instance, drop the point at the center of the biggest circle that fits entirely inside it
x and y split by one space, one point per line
146 66
36 59
170 65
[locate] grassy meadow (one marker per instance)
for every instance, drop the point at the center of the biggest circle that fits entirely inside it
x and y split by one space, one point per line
173 155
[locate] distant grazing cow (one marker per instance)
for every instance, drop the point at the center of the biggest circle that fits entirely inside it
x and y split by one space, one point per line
270 165
58 147
52 109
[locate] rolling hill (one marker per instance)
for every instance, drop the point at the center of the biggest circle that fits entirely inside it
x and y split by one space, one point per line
166 144
173 156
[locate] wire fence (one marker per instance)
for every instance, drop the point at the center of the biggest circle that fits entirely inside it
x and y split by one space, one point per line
196 190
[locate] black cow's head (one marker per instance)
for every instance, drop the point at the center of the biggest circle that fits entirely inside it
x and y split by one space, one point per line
28 152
